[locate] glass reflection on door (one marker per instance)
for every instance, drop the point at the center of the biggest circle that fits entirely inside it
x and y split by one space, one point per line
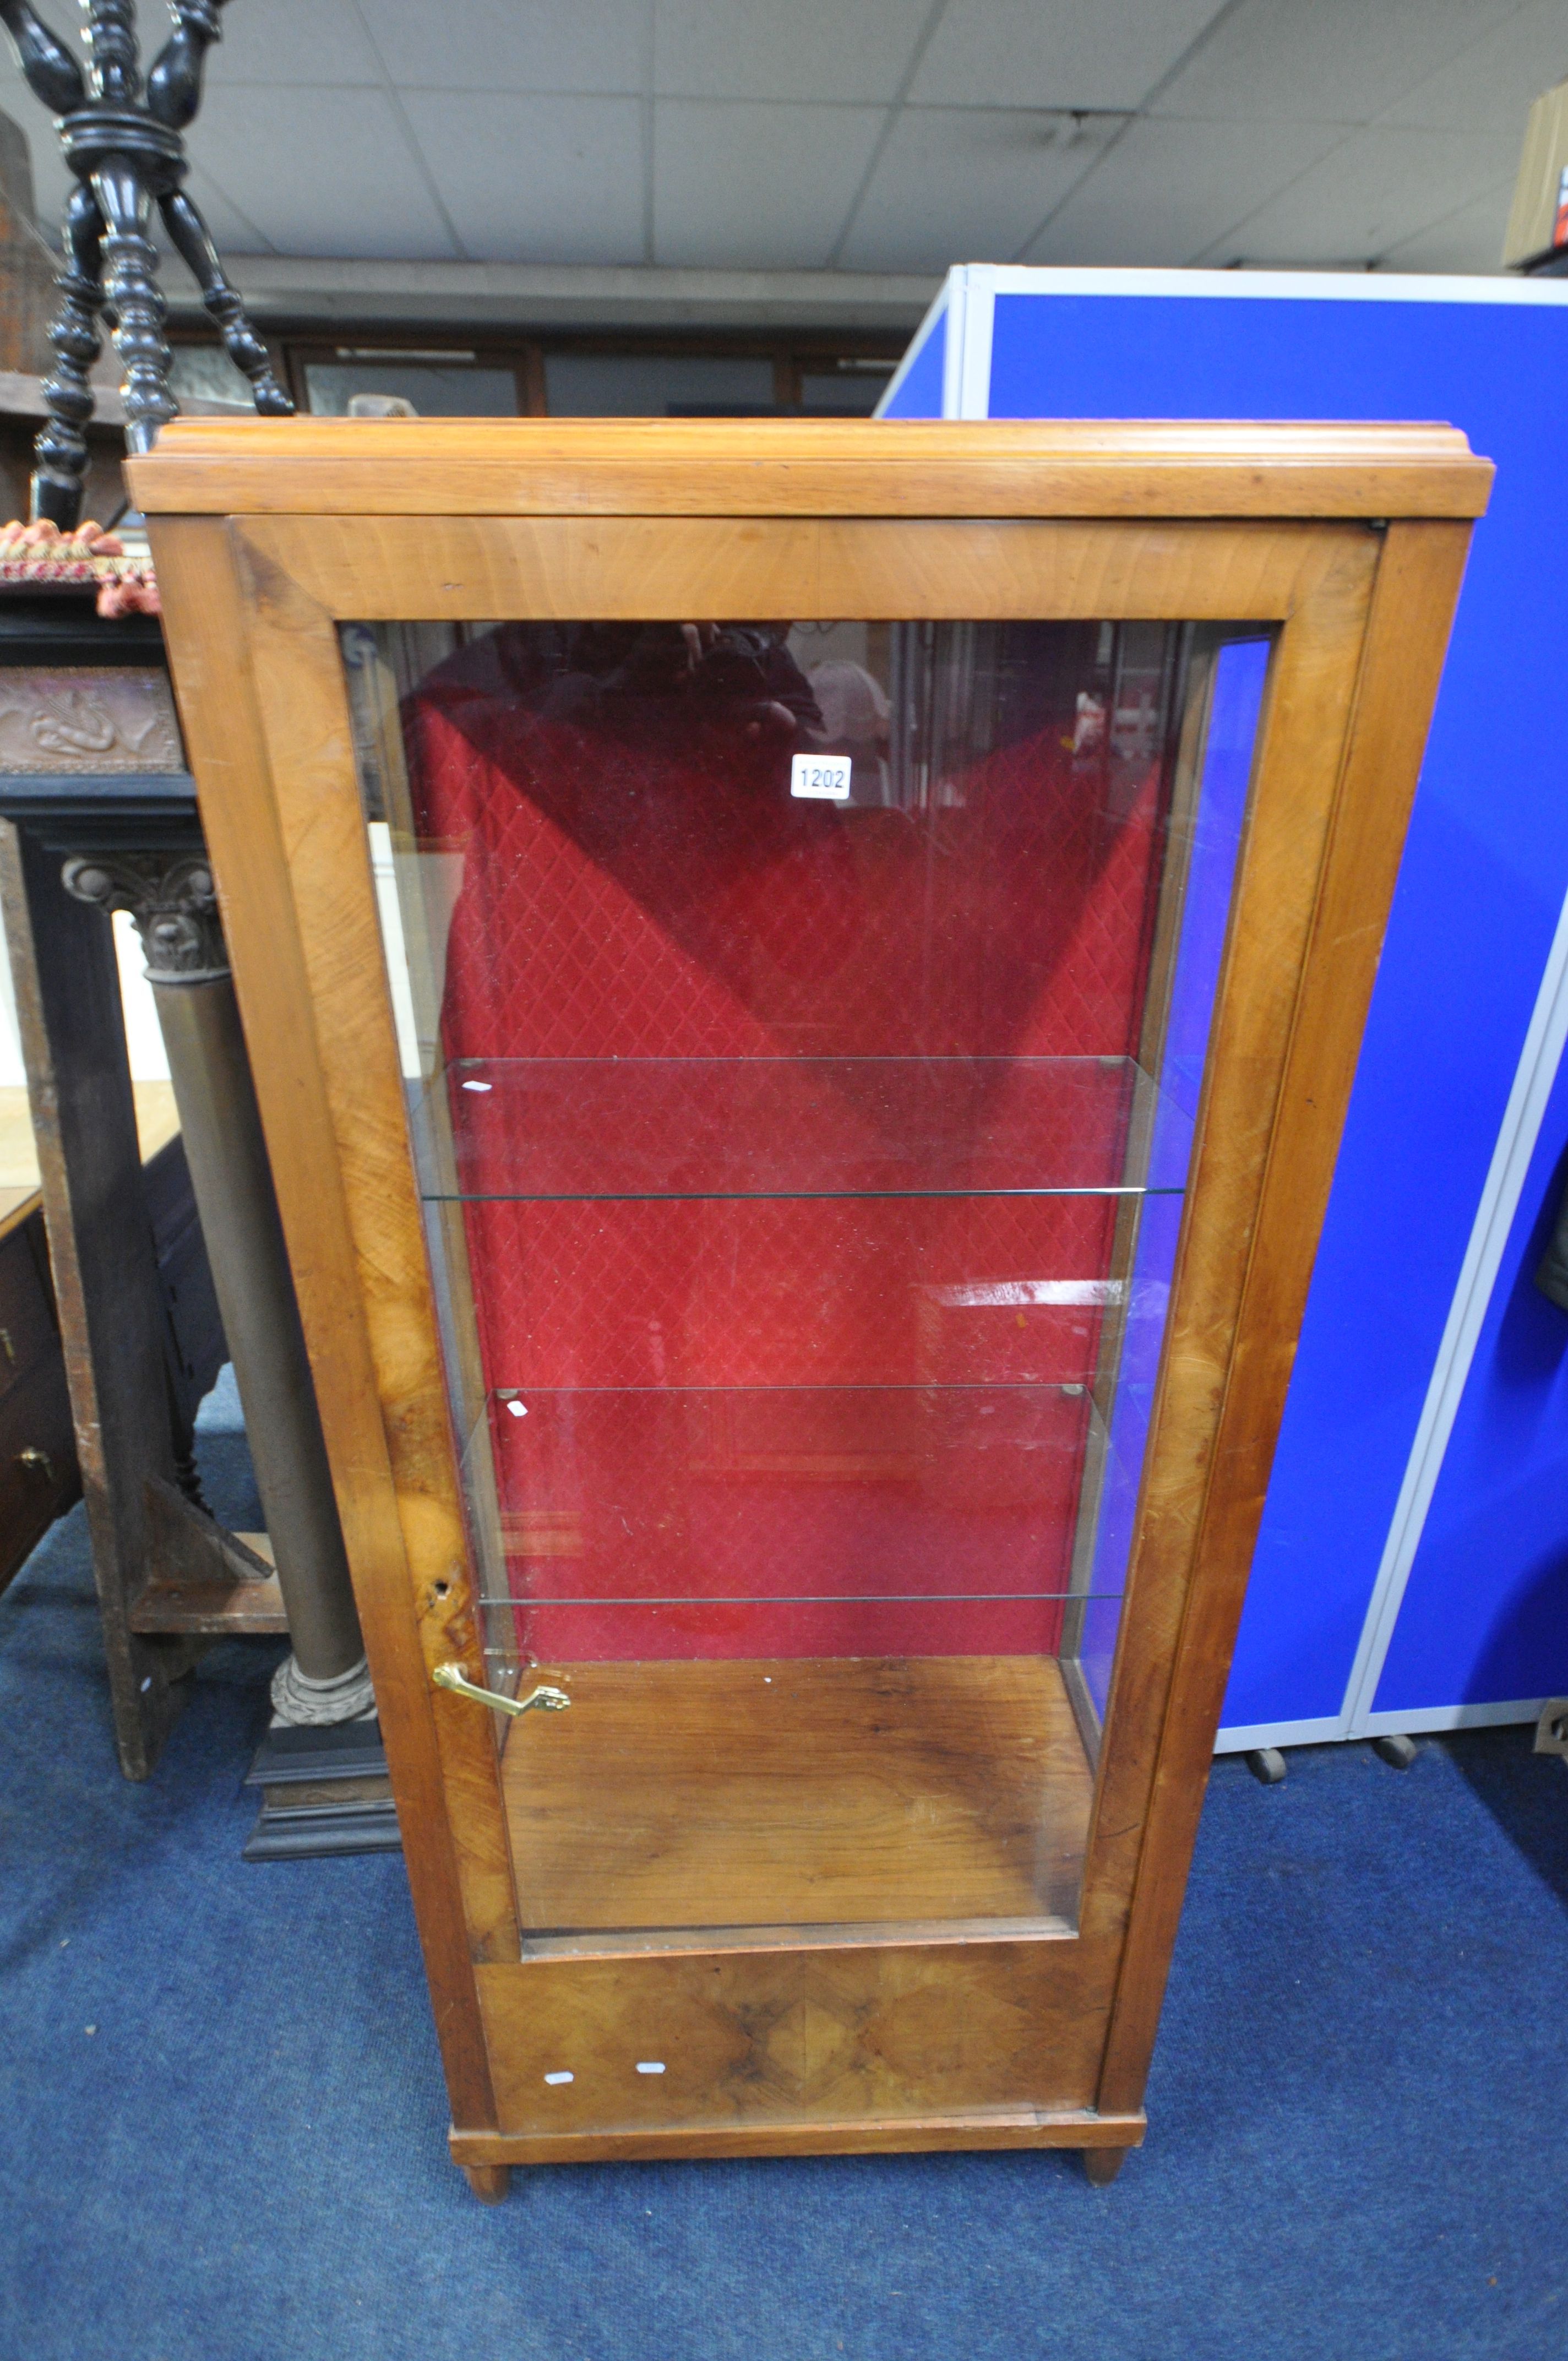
803 1028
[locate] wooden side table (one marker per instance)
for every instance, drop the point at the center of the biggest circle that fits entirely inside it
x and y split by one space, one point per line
92 780
133 1384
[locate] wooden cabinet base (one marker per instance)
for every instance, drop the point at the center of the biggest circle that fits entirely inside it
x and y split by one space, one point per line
914 2136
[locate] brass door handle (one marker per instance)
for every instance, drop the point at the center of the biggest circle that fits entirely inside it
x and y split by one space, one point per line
546 1699
35 1462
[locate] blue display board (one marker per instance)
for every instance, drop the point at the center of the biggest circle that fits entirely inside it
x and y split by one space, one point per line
1412 1568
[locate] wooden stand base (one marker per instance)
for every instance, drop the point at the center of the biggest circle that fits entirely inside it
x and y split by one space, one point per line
323 1791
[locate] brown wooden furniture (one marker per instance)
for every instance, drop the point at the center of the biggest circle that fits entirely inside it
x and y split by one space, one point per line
38 1451
93 779
138 1326
39 1475
754 1153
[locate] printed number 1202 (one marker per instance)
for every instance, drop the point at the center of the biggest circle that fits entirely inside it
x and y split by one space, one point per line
823 776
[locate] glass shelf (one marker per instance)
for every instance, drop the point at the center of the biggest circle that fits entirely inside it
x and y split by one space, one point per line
784 1521
545 1129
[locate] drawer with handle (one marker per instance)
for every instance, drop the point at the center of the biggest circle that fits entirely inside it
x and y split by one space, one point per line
38 1459
28 1331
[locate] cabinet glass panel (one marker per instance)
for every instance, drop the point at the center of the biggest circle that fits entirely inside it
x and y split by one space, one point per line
803 1028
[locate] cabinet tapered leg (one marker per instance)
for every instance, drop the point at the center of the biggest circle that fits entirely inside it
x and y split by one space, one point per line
1102 2164
489 2182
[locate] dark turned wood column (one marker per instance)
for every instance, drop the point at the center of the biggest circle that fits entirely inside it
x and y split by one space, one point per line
174 908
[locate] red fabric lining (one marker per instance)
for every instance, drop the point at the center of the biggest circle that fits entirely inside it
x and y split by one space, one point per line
621 903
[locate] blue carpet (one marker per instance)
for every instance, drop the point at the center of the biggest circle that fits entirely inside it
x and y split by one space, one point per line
224 2121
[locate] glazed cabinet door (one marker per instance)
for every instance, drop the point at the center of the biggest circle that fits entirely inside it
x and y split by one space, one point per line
801 1024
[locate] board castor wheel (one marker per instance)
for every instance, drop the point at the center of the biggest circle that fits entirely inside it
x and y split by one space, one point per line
1102 2164
1398 1752
1267 1764
489 2182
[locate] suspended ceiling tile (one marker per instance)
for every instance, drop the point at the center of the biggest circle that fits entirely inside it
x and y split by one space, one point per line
234 231
281 40
755 186
536 179
522 45
1324 60
967 184
1470 239
321 171
1168 190
1056 52
1491 86
785 48
1380 188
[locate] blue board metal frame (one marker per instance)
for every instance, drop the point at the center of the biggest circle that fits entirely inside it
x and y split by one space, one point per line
1408 1573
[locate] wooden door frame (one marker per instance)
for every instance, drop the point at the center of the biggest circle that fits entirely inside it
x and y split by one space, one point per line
1349 542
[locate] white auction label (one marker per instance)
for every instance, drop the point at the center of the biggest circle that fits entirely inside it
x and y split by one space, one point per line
825 775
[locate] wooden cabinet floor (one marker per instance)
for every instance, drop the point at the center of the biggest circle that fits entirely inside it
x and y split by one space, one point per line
846 1794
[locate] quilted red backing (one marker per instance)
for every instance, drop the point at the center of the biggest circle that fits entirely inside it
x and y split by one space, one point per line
880 1465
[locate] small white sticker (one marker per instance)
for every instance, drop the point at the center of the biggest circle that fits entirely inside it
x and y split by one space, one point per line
650 2065
560 2078
518 1410
823 777
478 1086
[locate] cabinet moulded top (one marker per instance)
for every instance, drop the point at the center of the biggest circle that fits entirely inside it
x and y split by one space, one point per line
542 467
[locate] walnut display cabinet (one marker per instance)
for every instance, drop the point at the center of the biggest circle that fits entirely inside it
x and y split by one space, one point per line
803 982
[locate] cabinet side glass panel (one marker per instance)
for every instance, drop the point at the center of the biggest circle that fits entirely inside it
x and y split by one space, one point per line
803 1026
